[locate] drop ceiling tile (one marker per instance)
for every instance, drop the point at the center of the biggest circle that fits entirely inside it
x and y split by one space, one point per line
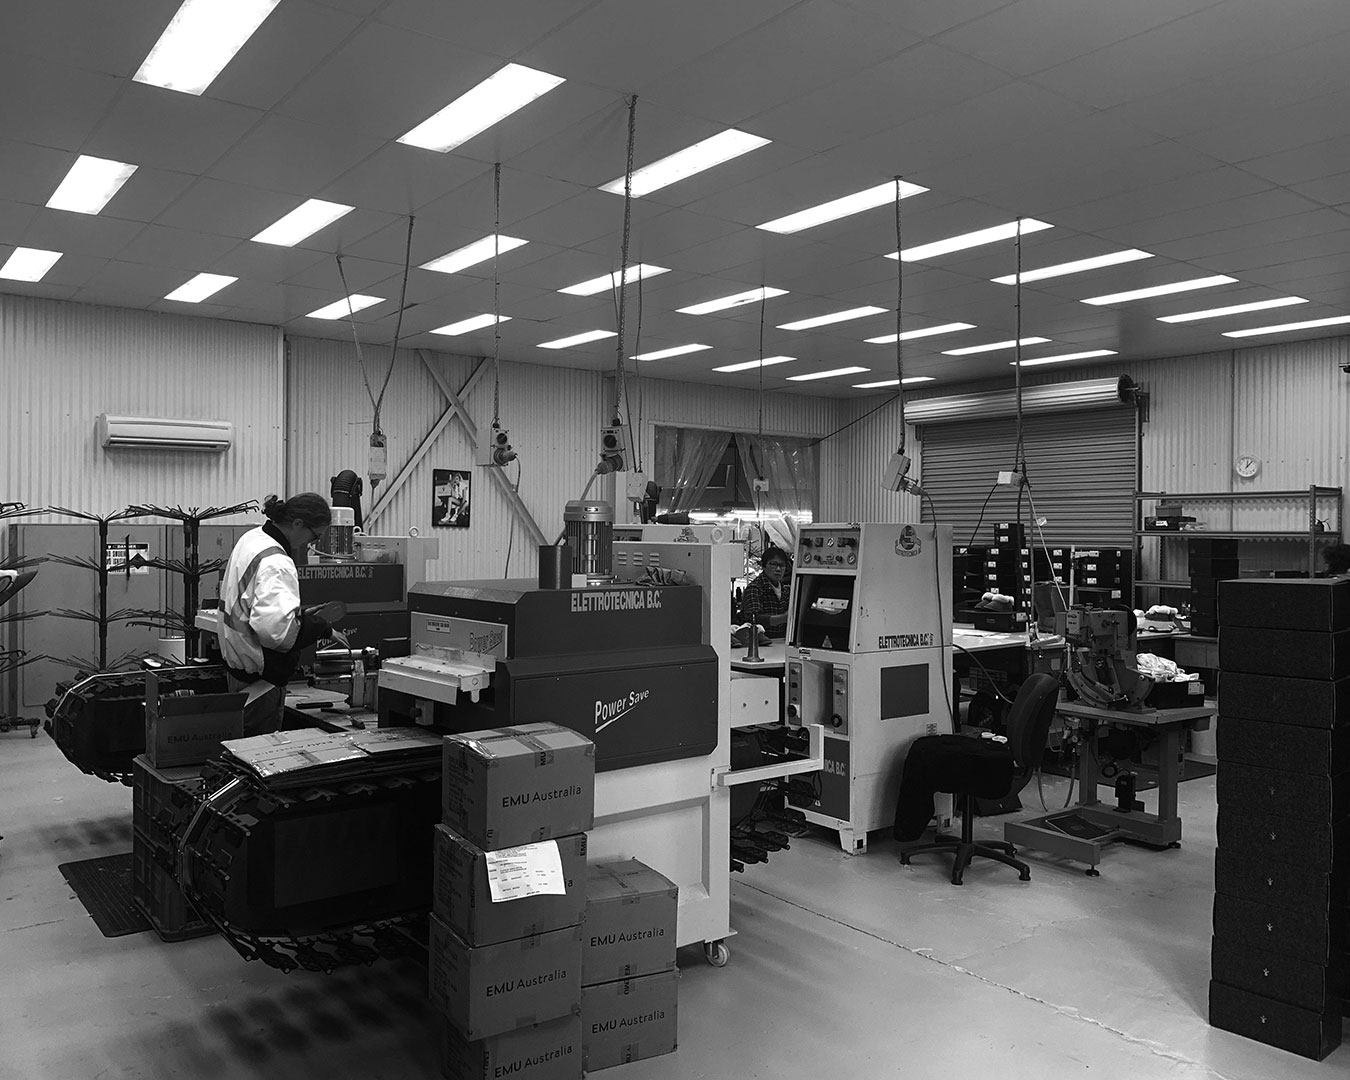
51 104
293 41
1328 190
1196 190
523 196
606 46
356 7
94 37
289 155
502 28
1032 35
921 80
147 193
1199 220
41 290
929 20
1312 162
581 218
167 130
764 251
206 310
385 80
160 246
1270 131
1305 250
812 45
60 230
266 264
699 193
361 275
665 234
1254 233
30 173
70 271
401 179
136 279
14 219
226 209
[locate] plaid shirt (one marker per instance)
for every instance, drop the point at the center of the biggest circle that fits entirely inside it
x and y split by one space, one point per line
759 600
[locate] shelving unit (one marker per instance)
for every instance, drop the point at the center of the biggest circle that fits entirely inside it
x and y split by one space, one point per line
1319 506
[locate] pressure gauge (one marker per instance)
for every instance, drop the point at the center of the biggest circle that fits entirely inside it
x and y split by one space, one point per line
1247 466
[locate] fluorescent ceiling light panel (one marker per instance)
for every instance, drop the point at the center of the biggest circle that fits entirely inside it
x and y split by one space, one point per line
750 296
28 264
910 335
197 289
1286 328
723 146
881 195
340 309
1162 290
835 317
473 254
304 221
1236 309
474 322
892 382
969 240
1078 266
473 112
665 354
1065 358
611 281
827 374
91 182
199 41
973 349
750 365
578 339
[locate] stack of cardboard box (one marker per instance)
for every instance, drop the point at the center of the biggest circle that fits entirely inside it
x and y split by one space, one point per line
505 950
628 972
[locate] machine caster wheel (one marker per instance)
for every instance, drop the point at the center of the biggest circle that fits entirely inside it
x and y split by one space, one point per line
1025 875
904 859
716 953
958 879
1175 844
1092 871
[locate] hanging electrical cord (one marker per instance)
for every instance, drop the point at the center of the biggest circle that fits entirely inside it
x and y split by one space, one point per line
1019 450
497 298
356 339
759 445
620 360
899 307
398 324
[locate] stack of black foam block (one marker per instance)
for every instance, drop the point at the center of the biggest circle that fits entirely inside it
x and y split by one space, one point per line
1208 561
1280 907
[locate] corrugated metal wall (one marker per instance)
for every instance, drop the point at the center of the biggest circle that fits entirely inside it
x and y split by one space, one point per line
855 460
65 363
553 416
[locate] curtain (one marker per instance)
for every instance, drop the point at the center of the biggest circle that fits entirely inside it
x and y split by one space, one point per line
791 467
694 456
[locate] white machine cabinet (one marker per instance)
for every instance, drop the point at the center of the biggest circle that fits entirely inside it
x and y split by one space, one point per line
869 657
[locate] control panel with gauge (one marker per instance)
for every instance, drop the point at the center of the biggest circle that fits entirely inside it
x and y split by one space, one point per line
869 657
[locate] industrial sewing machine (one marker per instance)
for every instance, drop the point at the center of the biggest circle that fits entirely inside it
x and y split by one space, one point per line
1102 650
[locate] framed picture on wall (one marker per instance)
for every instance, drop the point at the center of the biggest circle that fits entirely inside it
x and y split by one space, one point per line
450 498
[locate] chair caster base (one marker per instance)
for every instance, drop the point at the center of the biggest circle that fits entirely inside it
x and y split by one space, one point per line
1092 871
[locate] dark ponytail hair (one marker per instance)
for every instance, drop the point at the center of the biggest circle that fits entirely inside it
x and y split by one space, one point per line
309 508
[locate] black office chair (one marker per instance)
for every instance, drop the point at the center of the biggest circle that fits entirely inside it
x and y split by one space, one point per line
982 769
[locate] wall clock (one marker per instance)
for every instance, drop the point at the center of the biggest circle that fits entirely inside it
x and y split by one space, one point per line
1246 466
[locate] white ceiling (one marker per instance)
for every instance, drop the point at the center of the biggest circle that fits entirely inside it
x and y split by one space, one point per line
1213 133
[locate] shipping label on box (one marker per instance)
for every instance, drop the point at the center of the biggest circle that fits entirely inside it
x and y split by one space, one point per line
548 1051
518 785
629 1020
631 913
495 988
463 898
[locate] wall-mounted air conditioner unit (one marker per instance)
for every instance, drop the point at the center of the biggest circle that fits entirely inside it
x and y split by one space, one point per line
157 433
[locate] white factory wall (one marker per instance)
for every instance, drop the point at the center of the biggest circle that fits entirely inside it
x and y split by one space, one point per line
553 416
65 363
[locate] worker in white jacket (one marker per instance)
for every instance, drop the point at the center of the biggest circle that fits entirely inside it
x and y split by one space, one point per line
263 625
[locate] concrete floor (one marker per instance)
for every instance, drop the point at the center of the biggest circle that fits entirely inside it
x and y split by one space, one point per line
842 968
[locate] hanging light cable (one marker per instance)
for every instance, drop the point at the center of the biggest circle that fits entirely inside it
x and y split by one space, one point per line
620 360
899 306
496 294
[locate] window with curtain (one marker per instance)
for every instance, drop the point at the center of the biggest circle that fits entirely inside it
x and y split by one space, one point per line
711 475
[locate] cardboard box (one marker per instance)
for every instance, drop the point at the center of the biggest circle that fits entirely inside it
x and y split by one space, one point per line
510 786
549 1051
492 989
463 899
630 922
629 1020
188 730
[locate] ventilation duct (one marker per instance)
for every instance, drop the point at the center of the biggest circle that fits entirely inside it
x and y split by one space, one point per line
1052 397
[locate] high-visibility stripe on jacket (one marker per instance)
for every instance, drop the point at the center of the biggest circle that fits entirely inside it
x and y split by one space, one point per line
259 601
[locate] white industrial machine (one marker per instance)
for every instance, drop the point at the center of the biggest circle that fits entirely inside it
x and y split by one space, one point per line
869 656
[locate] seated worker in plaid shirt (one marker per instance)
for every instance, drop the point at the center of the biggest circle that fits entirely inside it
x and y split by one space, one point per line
765 600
